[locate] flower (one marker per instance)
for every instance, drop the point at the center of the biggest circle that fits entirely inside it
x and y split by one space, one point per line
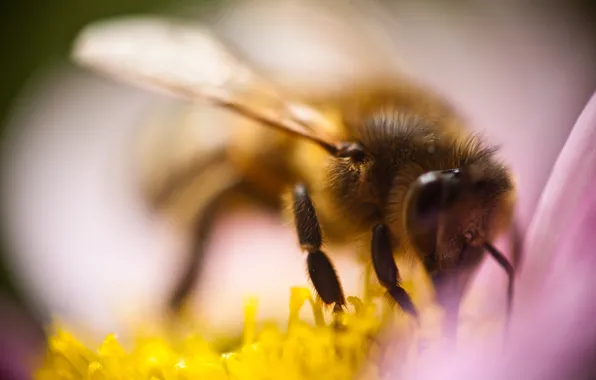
349 345
303 352
108 236
552 334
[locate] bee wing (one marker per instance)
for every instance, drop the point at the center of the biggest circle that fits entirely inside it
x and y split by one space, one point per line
187 61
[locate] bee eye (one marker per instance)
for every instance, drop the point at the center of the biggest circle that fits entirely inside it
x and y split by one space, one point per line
429 199
431 194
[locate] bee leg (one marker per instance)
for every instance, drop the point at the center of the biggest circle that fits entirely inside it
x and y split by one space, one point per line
320 269
386 269
202 227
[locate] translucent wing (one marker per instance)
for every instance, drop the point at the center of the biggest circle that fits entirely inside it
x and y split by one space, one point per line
187 61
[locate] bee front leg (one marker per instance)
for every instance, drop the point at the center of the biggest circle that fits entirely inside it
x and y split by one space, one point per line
320 269
386 269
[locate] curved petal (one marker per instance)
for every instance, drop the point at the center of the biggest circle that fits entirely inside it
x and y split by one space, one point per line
565 198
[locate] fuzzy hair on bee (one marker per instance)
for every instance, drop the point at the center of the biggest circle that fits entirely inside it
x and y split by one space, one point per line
388 165
397 148
399 144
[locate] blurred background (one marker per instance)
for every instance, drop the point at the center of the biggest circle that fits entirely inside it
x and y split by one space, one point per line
78 243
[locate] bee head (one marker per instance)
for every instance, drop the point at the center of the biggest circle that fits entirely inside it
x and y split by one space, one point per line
450 214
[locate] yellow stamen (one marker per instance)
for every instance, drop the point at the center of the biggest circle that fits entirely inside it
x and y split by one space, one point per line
303 351
348 347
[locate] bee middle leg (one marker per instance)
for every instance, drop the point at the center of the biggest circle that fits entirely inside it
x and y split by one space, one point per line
213 208
386 269
320 269
210 183
202 227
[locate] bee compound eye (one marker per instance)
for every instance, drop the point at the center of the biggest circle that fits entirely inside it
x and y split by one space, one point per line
428 200
422 207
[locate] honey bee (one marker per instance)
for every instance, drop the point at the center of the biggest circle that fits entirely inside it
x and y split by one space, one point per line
388 164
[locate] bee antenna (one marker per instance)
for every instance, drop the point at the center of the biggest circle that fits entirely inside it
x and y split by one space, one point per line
506 265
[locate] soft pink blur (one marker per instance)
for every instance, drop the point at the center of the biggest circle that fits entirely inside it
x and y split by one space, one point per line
86 246
19 340
564 205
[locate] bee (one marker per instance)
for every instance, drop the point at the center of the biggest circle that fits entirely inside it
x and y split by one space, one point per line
387 165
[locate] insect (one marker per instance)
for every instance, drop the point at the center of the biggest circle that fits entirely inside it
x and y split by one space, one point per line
386 165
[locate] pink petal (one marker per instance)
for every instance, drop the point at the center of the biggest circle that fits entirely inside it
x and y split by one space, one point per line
566 197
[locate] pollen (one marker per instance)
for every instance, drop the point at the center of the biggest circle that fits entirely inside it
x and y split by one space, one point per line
369 336
338 347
